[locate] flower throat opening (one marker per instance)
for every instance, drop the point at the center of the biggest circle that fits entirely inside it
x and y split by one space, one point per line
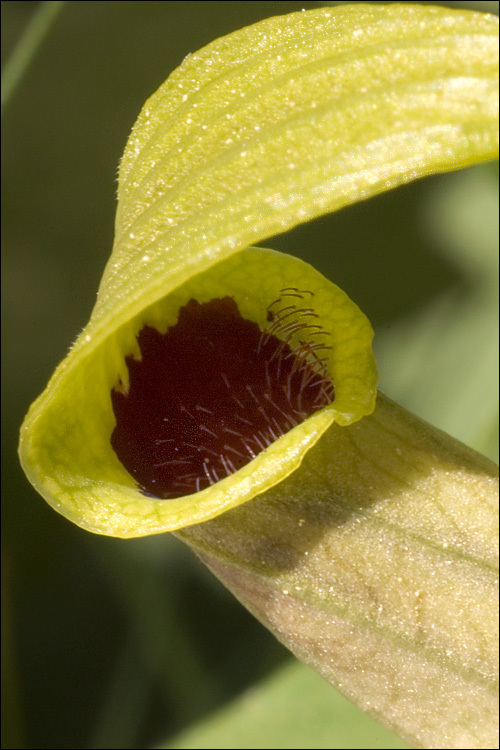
215 390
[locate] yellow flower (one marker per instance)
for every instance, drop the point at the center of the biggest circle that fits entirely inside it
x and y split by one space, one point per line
193 330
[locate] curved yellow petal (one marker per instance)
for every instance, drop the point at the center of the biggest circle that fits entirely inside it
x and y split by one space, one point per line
259 131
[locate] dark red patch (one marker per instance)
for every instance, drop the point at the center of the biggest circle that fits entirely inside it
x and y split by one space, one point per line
207 396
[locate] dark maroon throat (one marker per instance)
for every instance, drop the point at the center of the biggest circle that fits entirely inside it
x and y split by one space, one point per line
214 391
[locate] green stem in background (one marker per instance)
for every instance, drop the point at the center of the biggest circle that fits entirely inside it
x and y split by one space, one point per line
369 551
28 45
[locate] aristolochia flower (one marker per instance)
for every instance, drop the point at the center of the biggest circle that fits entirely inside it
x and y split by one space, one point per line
211 372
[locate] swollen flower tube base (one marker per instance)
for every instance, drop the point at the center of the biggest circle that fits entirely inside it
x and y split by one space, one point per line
228 393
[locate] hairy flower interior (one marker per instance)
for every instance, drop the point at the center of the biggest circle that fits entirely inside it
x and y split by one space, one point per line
215 390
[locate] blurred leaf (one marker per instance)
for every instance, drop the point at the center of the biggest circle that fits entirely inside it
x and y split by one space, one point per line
442 361
295 708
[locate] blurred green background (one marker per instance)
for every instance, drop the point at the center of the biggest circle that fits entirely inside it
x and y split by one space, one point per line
110 643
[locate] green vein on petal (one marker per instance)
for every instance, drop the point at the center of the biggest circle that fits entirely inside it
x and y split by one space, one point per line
259 131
